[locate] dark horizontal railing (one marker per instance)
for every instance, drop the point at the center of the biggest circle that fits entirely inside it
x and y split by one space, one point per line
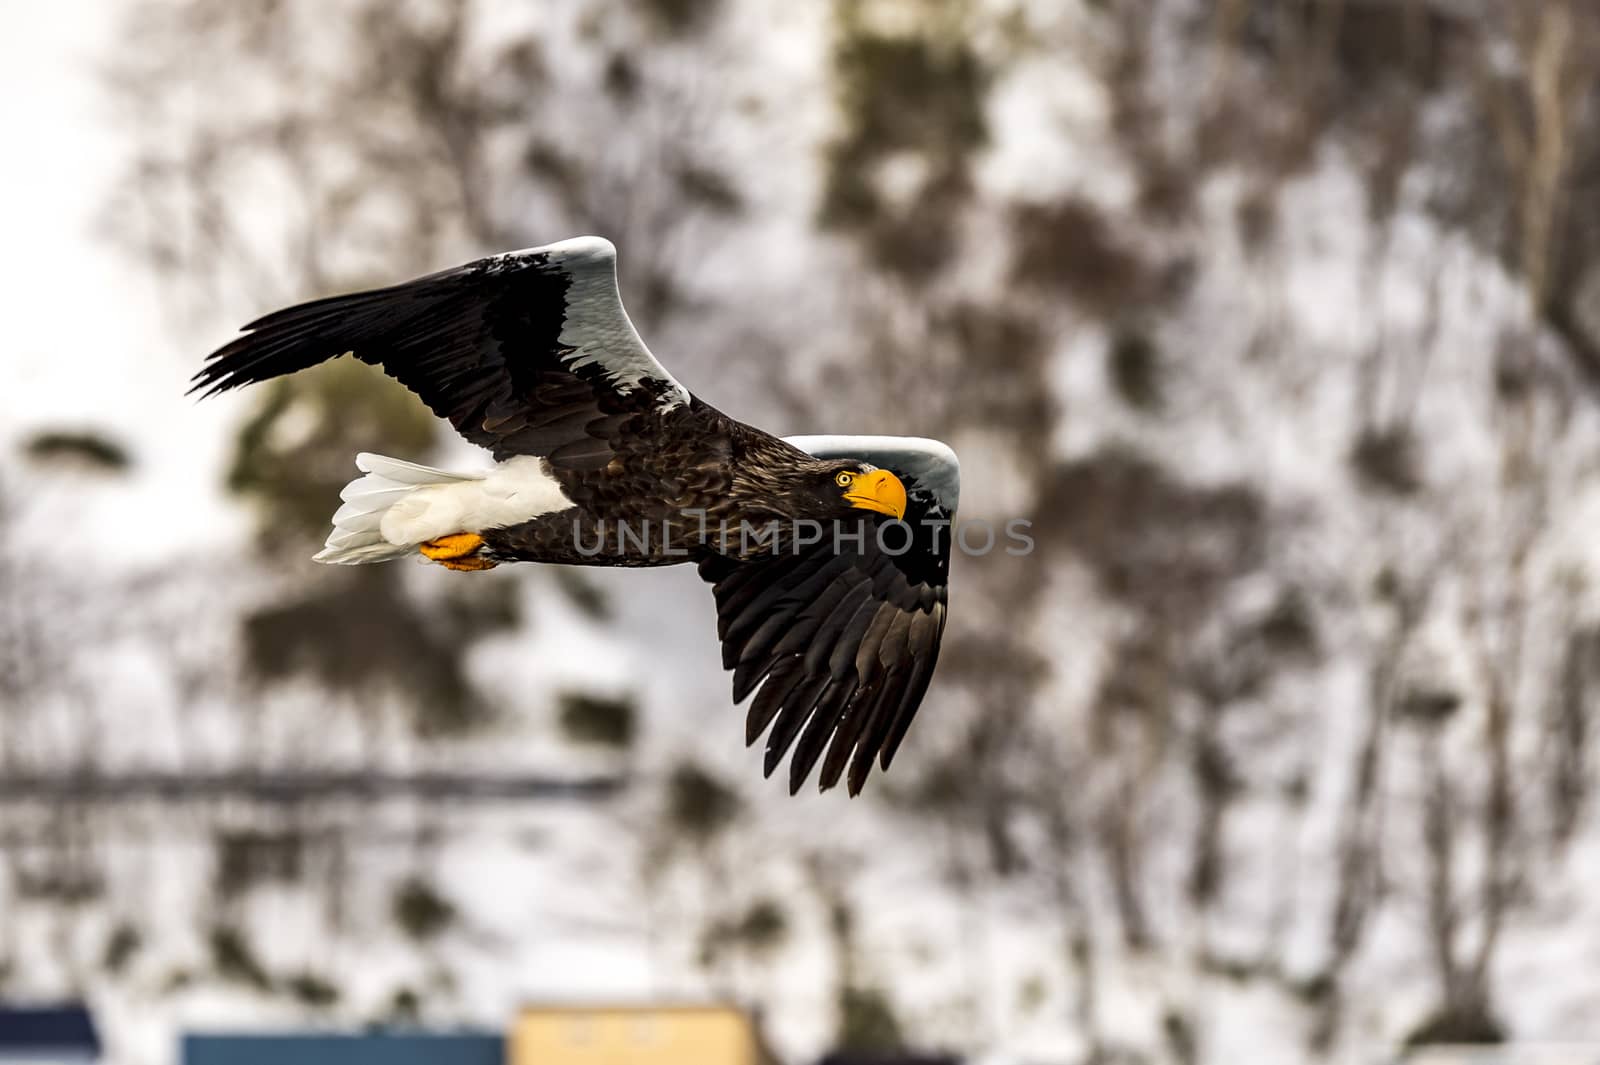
296 786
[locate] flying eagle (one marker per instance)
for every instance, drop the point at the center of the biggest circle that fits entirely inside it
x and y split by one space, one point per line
828 555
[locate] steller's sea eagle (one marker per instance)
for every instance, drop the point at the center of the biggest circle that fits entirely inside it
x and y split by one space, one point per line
603 458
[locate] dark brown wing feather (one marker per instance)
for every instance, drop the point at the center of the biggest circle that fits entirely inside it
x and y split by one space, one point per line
842 640
528 353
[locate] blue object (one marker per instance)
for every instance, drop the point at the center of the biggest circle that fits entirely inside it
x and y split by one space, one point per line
372 1048
64 1033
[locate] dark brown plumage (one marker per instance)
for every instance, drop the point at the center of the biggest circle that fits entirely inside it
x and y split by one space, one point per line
531 354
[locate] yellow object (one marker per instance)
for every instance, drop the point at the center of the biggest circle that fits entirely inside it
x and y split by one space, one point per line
468 565
879 490
457 551
637 1035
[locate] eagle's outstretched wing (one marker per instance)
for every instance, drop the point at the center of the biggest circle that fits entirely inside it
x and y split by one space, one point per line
526 353
844 634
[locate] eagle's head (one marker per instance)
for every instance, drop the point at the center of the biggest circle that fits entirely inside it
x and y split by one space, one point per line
839 488
790 485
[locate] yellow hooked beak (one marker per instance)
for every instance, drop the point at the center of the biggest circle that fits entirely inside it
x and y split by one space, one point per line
879 490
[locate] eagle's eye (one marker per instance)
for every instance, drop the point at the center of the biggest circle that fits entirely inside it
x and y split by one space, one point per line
843 478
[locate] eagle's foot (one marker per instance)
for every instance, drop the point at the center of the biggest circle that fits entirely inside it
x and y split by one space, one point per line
467 565
459 551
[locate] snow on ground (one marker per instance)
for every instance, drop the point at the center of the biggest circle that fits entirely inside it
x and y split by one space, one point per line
558 907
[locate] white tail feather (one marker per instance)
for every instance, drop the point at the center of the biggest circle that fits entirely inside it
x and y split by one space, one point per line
387 491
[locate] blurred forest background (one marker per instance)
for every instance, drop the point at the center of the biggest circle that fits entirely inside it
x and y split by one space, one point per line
1279 318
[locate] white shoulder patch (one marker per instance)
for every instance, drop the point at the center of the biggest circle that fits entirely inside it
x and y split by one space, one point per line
597 327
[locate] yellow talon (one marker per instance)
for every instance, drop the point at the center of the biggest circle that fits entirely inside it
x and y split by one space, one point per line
457 551
467 565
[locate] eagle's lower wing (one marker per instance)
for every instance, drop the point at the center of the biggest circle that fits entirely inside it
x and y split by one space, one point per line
845 636
526 353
